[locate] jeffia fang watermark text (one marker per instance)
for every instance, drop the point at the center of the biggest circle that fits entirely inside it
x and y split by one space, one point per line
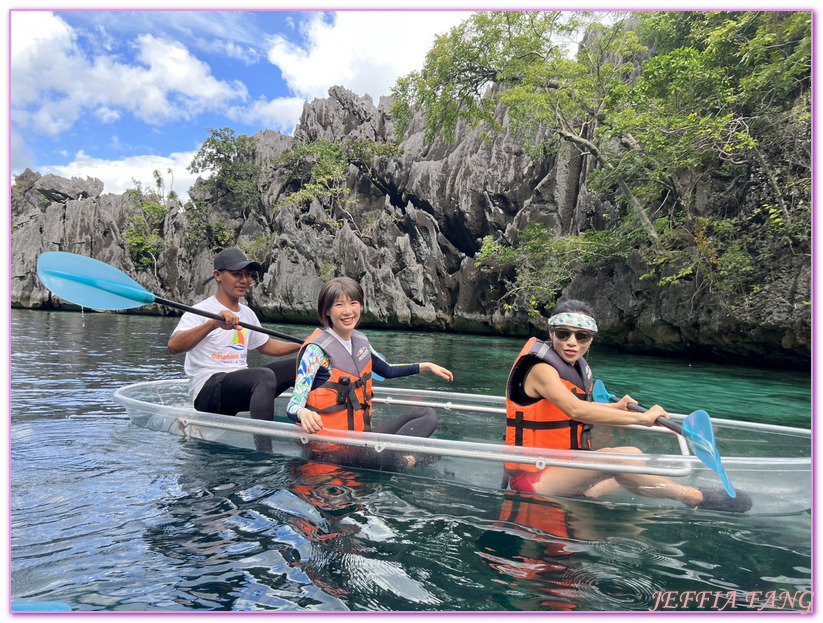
732 600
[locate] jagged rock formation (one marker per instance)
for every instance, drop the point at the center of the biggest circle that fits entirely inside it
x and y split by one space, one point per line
415 229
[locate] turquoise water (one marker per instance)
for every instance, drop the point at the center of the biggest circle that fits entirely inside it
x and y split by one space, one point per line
481 365
106 516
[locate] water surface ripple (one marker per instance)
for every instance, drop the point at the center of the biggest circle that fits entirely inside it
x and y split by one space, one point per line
106 516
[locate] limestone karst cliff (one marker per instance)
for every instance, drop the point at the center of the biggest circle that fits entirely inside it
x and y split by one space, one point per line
414 231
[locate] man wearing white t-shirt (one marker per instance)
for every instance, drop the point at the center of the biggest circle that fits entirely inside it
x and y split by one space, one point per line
220 380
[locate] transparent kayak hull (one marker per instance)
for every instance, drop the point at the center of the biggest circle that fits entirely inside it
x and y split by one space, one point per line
770 463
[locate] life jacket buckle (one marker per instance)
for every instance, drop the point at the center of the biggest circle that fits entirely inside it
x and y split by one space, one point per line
343 392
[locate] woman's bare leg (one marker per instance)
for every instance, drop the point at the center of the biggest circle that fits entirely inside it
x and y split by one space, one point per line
570 482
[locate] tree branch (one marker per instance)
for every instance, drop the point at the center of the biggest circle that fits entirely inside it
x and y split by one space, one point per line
624 187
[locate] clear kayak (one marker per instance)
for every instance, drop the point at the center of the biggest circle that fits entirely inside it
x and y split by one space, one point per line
771 463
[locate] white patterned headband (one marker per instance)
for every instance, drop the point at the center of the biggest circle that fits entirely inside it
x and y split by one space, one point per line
568 319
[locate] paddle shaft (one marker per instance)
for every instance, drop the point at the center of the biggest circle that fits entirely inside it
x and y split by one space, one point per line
662 421
91 283
250 327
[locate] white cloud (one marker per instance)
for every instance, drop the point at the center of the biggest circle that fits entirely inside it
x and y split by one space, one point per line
54 83
281 114
118 175
52 118
107 115
19 152
243 53
173 71
43 59
364 51
37 40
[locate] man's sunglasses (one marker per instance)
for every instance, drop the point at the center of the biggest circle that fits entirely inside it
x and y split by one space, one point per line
580 336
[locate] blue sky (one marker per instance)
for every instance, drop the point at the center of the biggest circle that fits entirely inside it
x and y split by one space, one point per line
117 94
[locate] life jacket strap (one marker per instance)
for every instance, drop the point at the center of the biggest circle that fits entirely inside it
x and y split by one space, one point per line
519 424
347 397
586 436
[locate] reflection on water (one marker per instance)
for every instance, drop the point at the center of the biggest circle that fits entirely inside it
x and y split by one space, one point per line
108 516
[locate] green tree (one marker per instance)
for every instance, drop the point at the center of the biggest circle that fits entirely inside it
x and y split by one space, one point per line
160 187
544 264
318 171
202 229
736 87
230 157
727 96
660 102
522 61
144 234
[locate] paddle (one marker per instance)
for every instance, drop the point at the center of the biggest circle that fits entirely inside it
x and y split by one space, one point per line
91 283
697 430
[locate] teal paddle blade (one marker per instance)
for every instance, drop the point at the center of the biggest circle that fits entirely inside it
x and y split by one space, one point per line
90 283
697 429
599 392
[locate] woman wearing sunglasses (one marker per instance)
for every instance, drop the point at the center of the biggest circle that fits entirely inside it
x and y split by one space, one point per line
548 405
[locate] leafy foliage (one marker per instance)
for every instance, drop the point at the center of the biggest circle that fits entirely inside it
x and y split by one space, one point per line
521 60
318 171
544 264
201 228
662 104
231 159
144 234
511 48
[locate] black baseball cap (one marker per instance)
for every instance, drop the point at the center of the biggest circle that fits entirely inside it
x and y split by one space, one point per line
234 259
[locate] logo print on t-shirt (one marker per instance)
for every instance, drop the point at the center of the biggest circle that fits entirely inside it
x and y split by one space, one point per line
239 340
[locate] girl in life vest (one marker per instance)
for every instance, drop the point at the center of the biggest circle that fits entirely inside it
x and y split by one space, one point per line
548 405
333 388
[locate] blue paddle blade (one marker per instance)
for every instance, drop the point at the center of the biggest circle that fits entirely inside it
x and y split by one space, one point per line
599 392
697 429
90 283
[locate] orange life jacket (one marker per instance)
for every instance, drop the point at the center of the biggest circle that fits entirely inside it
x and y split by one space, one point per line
344 400
539 423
